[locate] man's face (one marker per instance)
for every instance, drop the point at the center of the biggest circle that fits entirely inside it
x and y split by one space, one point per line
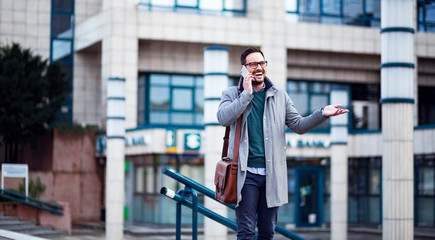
258 72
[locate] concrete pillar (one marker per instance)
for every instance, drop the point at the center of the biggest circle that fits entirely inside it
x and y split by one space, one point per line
339 168
119 61
215 81
273 40
120 52
115 132
397 98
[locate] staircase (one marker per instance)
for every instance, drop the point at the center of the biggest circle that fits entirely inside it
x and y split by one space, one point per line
14 224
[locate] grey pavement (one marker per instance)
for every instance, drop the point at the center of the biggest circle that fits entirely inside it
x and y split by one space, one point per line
168 233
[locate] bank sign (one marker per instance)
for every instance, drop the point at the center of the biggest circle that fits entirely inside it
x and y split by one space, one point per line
297 141
192 141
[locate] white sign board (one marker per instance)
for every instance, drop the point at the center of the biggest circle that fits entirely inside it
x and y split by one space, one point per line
16 171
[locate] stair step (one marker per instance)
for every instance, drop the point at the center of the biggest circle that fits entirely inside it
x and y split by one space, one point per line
31 230
51 233
7 225
8 218
11 223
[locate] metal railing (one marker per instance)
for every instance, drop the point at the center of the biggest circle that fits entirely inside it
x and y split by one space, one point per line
33 202
182 198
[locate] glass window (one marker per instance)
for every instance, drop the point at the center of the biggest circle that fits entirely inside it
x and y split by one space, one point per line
425 212
353 12
182 80
425 190
182 99
350 12
364 190
61 26
141 101
158 117
318 101
224 7
171 99
298 92
426 181
159 79
426 16
61 42
309 97
211 5
234 5
375 176
163 3
365 106
309 6
199 100
300 102
187 3
159 98
62 5
291 5
61 50
332 7
426 105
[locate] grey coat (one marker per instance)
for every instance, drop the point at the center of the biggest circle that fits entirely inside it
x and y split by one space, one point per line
279 111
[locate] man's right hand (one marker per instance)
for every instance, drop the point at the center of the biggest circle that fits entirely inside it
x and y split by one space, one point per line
247 82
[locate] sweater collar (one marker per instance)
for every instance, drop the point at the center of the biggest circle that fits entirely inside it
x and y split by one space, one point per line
267 84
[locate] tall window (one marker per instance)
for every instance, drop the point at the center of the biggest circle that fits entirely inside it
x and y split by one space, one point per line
62 46
170 99
364 190
425 190
426 15
366 111
426 105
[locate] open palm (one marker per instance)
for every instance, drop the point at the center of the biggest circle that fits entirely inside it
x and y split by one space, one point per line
333 110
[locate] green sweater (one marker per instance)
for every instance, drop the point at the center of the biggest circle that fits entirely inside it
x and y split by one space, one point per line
255 131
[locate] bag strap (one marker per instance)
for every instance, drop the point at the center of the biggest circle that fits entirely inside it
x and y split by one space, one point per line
236 143
235 161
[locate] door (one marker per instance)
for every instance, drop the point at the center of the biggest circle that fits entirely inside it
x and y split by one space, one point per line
308 196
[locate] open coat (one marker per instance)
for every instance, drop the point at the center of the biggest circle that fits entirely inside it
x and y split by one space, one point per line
279 112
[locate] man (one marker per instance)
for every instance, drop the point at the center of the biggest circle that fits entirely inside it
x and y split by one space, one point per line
262 174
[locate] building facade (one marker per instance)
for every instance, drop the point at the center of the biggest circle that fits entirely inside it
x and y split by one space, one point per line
312 47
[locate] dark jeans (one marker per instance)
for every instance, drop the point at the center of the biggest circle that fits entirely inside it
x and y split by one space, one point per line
253 203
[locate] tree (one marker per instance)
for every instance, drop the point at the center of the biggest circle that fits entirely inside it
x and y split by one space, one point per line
31 94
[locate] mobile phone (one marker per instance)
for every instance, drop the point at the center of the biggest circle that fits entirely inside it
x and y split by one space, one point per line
244 71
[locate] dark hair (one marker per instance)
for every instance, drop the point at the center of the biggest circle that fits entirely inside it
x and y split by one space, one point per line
248 51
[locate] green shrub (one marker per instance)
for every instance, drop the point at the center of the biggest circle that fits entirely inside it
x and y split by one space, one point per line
36 188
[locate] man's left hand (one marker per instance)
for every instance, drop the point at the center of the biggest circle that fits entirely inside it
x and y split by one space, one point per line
333 110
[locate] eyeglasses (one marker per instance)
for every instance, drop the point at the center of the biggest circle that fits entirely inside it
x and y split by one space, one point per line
254 65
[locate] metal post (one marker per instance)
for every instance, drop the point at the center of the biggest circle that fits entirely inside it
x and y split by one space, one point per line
178 218
186 192
194 213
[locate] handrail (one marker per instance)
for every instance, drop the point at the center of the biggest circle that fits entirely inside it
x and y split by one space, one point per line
34 202
209 193
205 211
191 183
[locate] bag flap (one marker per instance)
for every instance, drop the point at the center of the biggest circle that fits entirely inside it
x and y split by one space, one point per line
221 171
